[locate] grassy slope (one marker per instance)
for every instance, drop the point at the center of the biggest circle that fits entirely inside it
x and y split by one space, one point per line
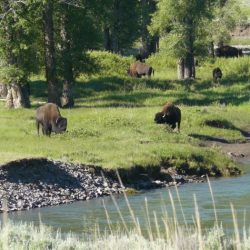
112 123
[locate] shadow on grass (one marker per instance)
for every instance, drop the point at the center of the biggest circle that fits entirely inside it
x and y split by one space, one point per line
36 171
208 138
123 91
223 124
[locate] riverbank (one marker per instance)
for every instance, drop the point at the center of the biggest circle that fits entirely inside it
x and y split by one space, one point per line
34 183
39 182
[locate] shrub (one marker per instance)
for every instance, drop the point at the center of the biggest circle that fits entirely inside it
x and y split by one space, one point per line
107 63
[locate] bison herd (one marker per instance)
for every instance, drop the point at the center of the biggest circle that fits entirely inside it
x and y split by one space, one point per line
50 119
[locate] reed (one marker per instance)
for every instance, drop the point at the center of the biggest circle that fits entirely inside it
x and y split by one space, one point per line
174 235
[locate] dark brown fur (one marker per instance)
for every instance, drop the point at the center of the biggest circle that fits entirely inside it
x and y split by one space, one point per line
170 114
217 74
49 117
138 69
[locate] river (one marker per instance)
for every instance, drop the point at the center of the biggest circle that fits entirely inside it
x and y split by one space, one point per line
81 217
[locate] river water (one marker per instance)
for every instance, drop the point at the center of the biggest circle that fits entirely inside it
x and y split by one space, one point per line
81 217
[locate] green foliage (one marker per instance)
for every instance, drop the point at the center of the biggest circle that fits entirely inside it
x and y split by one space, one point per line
175 21
225 19
107 63
11 74
162 62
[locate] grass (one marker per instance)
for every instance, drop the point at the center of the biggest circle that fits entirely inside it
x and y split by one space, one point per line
112 124
174 234
240 41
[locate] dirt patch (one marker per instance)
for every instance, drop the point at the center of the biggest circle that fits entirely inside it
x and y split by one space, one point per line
240 152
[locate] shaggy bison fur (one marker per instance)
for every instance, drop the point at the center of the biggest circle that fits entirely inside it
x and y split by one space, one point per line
138 69
217 74
49 117
170 115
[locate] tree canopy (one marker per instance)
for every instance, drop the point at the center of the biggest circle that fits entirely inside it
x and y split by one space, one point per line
52 36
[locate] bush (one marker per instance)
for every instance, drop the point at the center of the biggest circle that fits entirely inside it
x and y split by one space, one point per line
109 64
160 62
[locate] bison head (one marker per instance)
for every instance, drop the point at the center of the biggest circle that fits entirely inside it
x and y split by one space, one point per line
159 117
61 125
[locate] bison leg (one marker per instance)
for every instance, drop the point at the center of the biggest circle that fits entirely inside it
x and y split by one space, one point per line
47 129
37 127
179 126
150 71
173 125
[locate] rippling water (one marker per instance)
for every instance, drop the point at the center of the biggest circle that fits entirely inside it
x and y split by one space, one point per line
83 216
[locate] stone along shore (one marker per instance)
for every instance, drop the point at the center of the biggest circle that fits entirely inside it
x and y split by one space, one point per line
32 183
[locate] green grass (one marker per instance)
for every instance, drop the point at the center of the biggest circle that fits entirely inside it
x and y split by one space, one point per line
240 41
112 123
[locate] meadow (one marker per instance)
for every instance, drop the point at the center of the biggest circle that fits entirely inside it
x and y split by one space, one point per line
112 124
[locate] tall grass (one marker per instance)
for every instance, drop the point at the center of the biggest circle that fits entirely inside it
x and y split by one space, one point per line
174 235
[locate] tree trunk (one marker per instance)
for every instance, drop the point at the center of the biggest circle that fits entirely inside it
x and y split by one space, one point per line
17 96
107 39
50 62
115 30
67 100
3 90
180 69
150 44
212 49
189 65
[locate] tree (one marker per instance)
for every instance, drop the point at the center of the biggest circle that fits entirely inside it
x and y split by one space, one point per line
67 100
17 52
50 59
178 22
225 16
150 43
120 23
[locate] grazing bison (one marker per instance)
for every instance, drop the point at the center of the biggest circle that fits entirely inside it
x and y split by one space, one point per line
48 115
228 51
138 69
170 114
217 74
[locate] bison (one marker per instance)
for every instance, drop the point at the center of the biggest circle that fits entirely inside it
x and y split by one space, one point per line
48 115
217 74
228 51
138 69
170 114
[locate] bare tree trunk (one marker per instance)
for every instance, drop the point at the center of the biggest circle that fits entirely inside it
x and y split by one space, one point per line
212 49
67 100
150 44
115 29
17 96
189 65
50 62
180 69
107 39
3 90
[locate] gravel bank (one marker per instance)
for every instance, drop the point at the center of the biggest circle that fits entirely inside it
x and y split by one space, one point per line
32 183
